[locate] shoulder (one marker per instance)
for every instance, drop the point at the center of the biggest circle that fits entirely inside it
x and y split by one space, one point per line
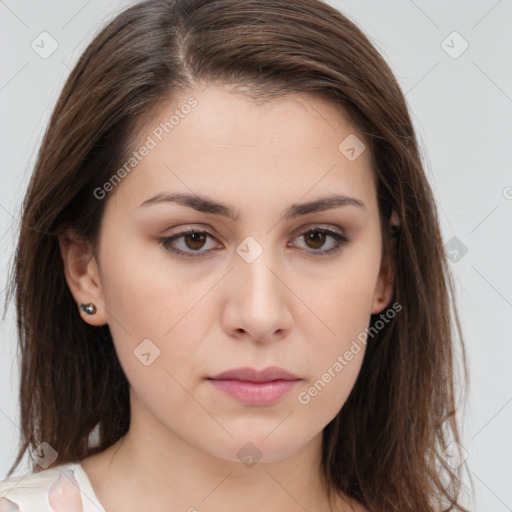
49 490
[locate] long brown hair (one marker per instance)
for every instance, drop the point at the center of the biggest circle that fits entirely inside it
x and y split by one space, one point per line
385 447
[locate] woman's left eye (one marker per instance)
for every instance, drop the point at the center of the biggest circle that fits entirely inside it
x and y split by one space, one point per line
196 240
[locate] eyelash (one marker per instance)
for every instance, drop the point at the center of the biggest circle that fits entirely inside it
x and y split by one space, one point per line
341 240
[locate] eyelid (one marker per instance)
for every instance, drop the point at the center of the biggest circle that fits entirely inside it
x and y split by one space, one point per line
319 226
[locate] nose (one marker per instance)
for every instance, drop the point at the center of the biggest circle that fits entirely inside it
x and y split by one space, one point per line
258 306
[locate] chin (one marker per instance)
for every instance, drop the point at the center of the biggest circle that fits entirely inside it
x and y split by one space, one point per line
268 445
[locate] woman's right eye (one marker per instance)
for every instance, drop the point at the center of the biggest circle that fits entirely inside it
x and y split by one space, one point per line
195 240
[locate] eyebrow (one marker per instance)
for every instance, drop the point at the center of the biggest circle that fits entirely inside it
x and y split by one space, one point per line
208 205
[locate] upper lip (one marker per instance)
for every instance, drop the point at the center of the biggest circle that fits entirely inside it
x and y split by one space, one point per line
252 375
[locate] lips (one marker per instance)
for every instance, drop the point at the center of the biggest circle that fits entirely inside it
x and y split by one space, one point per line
248 374
255 387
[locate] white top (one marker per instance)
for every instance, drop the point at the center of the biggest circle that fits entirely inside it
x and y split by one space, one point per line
36 492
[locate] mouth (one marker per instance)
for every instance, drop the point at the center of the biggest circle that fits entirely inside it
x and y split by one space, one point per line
255 387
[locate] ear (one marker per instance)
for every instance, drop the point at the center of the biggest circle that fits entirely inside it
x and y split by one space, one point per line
82 275
384 287
386 278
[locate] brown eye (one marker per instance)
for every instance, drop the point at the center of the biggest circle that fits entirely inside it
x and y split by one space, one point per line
191 243
197 240
315 239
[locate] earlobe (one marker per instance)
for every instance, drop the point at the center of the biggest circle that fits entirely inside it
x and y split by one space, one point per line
83 278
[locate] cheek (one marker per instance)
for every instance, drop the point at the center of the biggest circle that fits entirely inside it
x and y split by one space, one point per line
161 315
341 303
335 360
140 285
336 332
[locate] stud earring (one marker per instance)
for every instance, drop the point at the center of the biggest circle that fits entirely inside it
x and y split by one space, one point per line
90 309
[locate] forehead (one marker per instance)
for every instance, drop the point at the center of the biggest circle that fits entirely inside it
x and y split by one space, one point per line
223 117
211 139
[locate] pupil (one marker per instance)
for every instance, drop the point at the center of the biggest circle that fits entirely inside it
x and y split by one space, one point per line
317 238
196 238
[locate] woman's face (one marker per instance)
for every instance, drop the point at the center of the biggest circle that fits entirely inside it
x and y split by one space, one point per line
272 285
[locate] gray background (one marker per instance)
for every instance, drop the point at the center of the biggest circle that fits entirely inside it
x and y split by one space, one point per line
462 110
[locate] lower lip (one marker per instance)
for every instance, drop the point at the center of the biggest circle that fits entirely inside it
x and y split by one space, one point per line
255 393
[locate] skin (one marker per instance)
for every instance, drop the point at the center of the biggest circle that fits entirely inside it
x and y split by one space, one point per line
289 307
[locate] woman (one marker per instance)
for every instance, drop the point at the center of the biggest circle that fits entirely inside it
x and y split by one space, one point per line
230 282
